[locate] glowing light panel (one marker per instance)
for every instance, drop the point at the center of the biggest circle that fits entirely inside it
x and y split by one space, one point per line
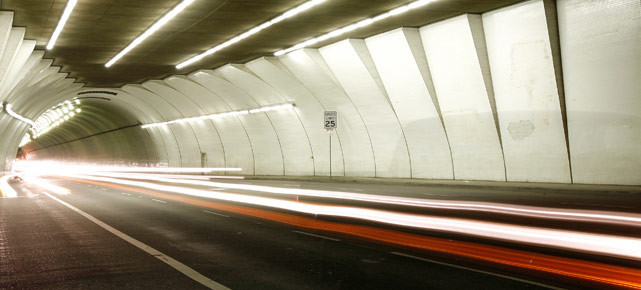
61 24
290 13
160 23
357 25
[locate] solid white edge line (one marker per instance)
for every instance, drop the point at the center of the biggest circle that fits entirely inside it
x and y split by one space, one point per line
318 236
475 270
182 268
158 200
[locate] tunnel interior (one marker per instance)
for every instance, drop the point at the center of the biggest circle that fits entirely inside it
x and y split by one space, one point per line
103 132
511 94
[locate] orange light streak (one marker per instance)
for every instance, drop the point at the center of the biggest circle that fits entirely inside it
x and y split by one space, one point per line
610 275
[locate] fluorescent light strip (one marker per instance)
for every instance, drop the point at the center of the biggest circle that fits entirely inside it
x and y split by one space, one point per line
290 13
220 115
61 24
166 18
15 115
357 25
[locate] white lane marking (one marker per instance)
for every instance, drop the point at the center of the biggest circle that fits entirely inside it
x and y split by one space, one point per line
318 236
158 200
124 193
189 272
215 213
474 270
218 188
103 188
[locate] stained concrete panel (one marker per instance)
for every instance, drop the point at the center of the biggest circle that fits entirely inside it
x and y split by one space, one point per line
526 93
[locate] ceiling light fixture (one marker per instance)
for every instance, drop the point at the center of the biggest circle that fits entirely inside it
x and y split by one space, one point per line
357 25
162 21
290 13
220 115
61 24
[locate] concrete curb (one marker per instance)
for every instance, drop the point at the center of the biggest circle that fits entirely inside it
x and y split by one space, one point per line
496 185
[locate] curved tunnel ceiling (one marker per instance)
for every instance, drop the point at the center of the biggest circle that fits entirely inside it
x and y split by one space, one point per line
98 30
105 129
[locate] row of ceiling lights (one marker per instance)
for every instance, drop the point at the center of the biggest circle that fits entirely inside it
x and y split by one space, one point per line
290 13
221 115
50 119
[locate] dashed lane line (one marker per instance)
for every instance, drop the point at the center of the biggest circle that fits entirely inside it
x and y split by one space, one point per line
215 213
318 236
475 270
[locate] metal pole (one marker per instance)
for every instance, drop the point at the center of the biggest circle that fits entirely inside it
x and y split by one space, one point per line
330 156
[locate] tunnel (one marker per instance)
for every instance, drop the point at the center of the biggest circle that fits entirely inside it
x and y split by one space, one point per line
540 95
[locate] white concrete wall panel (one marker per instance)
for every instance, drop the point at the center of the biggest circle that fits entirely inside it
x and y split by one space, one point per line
310 69
400 60
291 134
455 63
9 145
526 93
33 60
273 72
37 101
6 24
268 157
351 64
205 131
235 142
187 145
18 64
601 56
11 50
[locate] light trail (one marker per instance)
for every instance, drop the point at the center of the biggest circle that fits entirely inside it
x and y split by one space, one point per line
49 168
627 219
47 185
616 246
7 190
567 268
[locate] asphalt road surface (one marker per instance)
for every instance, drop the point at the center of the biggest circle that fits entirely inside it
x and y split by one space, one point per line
104 237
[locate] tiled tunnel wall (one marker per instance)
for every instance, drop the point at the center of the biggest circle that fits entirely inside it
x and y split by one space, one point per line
541 91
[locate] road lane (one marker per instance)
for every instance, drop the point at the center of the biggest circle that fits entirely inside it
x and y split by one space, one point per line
44 245
243 253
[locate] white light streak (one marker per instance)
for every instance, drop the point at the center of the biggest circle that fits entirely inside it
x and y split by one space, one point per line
221 115
61 24
354 26
48 168
161 22
17 116
627 219
290 13
617 246
7 190
47 185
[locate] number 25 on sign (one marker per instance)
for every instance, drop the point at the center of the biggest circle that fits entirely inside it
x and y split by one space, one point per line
331 121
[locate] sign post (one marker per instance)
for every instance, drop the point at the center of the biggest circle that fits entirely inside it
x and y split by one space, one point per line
330 124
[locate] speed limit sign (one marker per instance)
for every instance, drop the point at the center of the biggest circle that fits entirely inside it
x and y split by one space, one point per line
331 119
